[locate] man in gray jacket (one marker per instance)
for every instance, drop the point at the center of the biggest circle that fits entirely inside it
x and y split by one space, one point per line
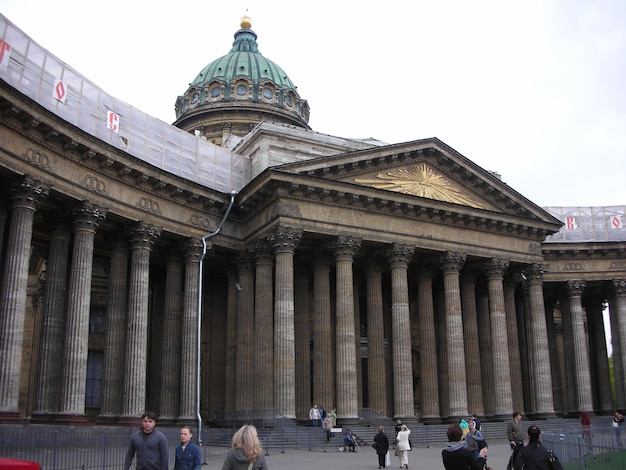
149 445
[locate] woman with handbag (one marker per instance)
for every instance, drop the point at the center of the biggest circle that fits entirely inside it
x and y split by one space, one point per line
403 446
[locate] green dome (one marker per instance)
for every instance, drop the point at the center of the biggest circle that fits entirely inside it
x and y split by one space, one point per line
239 82
244 59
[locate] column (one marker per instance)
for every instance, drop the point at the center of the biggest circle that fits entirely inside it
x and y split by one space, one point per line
303 344
376 369
344 249
570 397
323 367
231 343
472 345
502 398
398 257
539 344
599 368
484 343
3 217
263 326
26 195
618 312
284 241
171 361
86 220
451 264
513 340
357 341
244 378
115 334
142 237
189 373
428 346
48 390
442 350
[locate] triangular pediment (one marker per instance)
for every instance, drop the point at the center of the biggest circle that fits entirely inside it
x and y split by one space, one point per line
426 169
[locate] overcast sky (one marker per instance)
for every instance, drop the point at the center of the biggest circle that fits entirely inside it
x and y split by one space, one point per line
533 89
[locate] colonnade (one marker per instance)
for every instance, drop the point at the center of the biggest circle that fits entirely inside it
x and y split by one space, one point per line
445 337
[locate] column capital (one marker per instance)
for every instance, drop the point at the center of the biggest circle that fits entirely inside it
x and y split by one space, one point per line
619 286
88 216
245 261
143 235
399 255
261 251
495 267
284 239
575 287
345 247
28 193
452 261
192 250
535 272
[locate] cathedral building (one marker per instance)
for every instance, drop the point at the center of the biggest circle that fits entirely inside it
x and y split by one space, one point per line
238 263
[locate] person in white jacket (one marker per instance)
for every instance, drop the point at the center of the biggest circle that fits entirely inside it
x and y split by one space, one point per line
403 446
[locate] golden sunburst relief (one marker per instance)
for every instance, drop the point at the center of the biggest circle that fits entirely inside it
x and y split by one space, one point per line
419 181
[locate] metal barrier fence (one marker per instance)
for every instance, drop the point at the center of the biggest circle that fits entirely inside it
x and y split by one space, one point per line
599 449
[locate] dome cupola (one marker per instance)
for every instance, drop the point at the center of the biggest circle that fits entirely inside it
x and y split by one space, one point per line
235 92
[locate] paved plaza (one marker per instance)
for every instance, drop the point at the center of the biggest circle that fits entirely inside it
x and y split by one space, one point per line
419 459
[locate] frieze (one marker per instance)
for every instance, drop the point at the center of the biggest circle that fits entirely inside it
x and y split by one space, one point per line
617 266
37 158
94 184
198 220
287 209
534 248
149 205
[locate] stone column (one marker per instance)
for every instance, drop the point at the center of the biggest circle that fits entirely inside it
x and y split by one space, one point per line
244 378
189 337
618 367
580 352
48 389
303 344
170 360
376 370
443 377
398 257
115 334
284 241
428 346
263 326
570 397
619 313
323 355
142 237
344 249
451 264
3 217
484 342
231 343
502 398
26 195
357 341
515 364
472 345
599 368
86 220
539 344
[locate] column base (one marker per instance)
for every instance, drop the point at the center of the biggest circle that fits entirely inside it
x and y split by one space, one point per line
186 421
39 417
72 419
11 417
431 420
544 415
107 420
132 421
349 421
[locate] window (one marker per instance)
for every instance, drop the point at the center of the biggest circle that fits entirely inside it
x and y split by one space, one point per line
93 389
242 90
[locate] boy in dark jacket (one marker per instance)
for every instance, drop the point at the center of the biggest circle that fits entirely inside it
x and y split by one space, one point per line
456 456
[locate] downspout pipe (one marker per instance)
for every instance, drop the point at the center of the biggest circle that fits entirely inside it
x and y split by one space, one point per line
208 236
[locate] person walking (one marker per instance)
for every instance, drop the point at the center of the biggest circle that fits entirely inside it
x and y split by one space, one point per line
381 444
327 425
585 423
148 445
314 415
535 456
474 440
187 454
245 452
402 441
456 456
618 419
515 435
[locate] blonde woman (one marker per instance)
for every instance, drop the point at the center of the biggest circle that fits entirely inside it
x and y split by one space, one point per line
404 446
245 452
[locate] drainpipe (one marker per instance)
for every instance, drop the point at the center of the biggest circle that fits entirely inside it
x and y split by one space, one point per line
199 326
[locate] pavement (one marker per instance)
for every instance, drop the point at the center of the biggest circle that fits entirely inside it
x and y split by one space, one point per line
419 458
